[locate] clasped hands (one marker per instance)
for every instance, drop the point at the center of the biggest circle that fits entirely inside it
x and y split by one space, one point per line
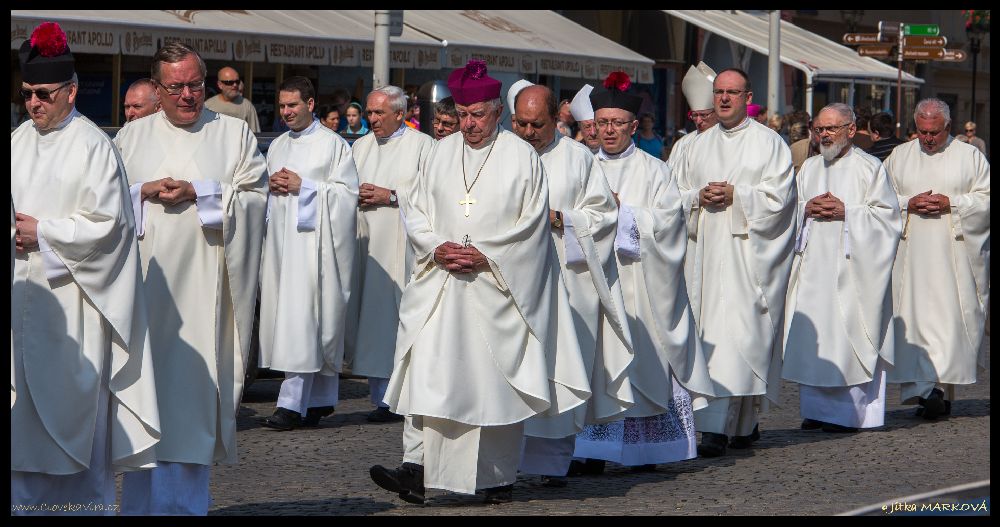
372 195
718 194
929 204
284 182
26 237
456 258
169 190
825 207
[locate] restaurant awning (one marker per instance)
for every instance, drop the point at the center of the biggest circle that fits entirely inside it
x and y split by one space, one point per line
513 41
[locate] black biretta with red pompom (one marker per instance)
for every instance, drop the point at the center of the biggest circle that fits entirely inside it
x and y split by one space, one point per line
45 57
613 95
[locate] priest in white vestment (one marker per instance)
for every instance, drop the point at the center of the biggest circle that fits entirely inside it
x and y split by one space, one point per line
650 247
481 347
583 112
199 191
941 276
583 215
307 260
697 88
388 160
80 360
838 332
738 192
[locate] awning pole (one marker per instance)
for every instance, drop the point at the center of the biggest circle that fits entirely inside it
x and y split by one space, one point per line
809 93
380 61
899 81
774 63
116 90
248 79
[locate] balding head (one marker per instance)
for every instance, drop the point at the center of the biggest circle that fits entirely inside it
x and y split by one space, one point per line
536 110
230 85
141 100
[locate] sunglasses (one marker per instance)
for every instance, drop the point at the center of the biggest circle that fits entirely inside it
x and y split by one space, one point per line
231 83
42 94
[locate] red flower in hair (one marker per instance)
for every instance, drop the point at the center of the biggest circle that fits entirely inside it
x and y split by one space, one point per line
49 39
617 80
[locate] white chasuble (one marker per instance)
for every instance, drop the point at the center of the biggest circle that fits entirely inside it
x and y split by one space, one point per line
663 330
739 257
486 348
308 254
68 325
385 259
941 276
578 189
201 281
839 308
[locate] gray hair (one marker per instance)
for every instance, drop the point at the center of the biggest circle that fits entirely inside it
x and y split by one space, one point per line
930 107
844 110
395 95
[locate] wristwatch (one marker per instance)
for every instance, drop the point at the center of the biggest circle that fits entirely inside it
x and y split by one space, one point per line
392 198
558 223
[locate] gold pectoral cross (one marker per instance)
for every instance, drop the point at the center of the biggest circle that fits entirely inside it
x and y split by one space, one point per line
467 201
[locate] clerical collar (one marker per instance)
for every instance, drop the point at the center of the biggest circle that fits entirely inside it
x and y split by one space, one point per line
552 144
313 126
62 124
604 156
742 126
399 131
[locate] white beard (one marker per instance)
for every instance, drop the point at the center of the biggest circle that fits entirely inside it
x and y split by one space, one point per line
830 153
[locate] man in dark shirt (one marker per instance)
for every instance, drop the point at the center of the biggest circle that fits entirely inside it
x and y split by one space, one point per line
881 126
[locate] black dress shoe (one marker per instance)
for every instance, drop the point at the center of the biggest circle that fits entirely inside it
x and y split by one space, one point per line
313 415
383 415
712 444
556 482
934 406
284 419
590 467
407 481
811 424
644 468
837 429
741 442
498 495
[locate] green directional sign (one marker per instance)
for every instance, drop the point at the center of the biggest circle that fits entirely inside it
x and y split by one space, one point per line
923 30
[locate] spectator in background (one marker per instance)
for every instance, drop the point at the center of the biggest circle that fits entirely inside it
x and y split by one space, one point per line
862 139
804 145
970 137
230 100
341 98
329 116
647 139
445 118
777 123
141 99
568 126
881 126
355 125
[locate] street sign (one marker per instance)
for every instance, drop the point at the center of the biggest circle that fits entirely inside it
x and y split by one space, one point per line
861 38
925 41
923 53
954 55
927 30
395 22
888 31
875 51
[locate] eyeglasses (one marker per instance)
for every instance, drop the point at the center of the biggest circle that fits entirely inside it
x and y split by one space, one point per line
442 122
177 89
819 130
230 83
603 123
694 116
731 93
970 130
42 94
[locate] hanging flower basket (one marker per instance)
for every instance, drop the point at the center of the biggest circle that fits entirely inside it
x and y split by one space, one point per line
977 20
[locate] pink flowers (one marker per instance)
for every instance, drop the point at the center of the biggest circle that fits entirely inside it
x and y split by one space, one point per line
617 80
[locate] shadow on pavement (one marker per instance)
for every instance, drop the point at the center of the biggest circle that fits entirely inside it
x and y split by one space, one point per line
333 506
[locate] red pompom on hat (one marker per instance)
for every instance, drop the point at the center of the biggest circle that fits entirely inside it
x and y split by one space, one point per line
45 57
613 95
472 84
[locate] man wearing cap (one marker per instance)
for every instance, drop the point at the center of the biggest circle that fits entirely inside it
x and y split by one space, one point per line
81 367
141 99
481 347
512 94
838 330
737 181
388 160
230 100
307 260
941 274
583 216
649 246
583 112
697 88
199 192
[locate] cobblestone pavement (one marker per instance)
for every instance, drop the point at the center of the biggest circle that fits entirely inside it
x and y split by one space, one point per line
324 471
